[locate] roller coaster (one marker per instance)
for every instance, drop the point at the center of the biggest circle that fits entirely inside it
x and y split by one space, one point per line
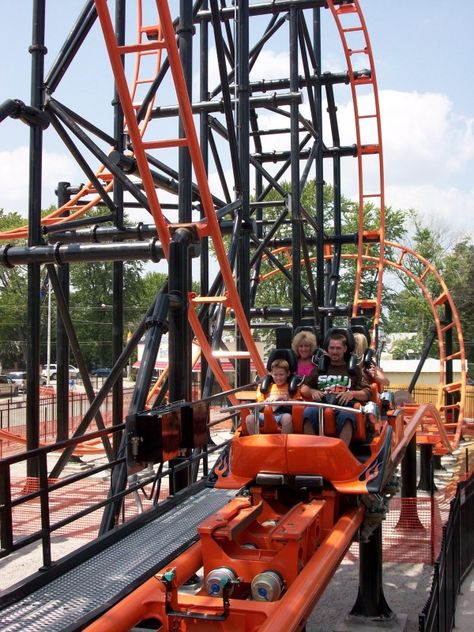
251 544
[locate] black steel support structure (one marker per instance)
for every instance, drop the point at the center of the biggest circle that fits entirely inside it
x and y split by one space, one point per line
408 507
244 225
62 342
319 218
295 170
180 370
424 354
37 50
118 266
239 105
426 453
426 482
155 323
408 470
370 605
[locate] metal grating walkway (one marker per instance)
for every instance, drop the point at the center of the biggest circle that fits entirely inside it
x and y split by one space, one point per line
62 603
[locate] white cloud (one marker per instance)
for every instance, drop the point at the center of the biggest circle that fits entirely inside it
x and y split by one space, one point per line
269 65
14 177
428 157
428 154
448 207
423 138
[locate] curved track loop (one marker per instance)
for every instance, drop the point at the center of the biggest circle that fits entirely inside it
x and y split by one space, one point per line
355 40
428 279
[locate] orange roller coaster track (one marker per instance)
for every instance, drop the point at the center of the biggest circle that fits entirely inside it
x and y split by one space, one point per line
437 295
370 246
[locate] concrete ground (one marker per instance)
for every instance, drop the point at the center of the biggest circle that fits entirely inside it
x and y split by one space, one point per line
406 586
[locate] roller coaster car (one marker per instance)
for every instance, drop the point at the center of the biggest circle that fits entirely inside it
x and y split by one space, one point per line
294 460
267 555
297 460
298 505
263 560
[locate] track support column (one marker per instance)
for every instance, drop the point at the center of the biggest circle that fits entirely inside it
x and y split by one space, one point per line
408 510
426 482
370 605
179 353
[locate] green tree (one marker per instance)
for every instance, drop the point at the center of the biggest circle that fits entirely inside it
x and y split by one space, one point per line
459 277
409 311
13 304
92 307
277 289
13 318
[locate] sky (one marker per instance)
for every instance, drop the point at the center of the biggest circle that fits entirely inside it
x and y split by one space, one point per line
423 53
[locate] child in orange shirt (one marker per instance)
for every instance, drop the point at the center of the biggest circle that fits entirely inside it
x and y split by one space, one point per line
278 391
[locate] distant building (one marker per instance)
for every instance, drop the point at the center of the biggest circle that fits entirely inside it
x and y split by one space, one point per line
400 372
162 358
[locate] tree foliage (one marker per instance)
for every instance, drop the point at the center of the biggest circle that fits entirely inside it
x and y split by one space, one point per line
405 309
459 277
13 304
275 289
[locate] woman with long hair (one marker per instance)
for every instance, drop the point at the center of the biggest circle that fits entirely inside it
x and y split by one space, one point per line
304 344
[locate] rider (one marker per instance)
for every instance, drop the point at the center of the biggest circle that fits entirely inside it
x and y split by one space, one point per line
346 388
278 391
373 372
304 344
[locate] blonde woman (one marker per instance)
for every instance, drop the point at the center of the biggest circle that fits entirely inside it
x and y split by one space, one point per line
304 345
372 372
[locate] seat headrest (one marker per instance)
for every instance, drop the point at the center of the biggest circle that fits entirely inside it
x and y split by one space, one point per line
283 354
283 337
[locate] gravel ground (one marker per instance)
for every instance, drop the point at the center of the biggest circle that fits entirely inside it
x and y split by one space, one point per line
406 588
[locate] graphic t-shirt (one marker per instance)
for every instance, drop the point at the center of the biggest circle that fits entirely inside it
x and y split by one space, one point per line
337 379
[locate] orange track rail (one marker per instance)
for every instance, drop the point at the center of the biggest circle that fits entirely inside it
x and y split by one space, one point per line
425 280
355 40
209 227
78 205
149 601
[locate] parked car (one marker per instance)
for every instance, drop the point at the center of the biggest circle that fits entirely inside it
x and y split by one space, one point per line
19 377
8 386
53 371
101 372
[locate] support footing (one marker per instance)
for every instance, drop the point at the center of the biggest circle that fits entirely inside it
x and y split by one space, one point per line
398 623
